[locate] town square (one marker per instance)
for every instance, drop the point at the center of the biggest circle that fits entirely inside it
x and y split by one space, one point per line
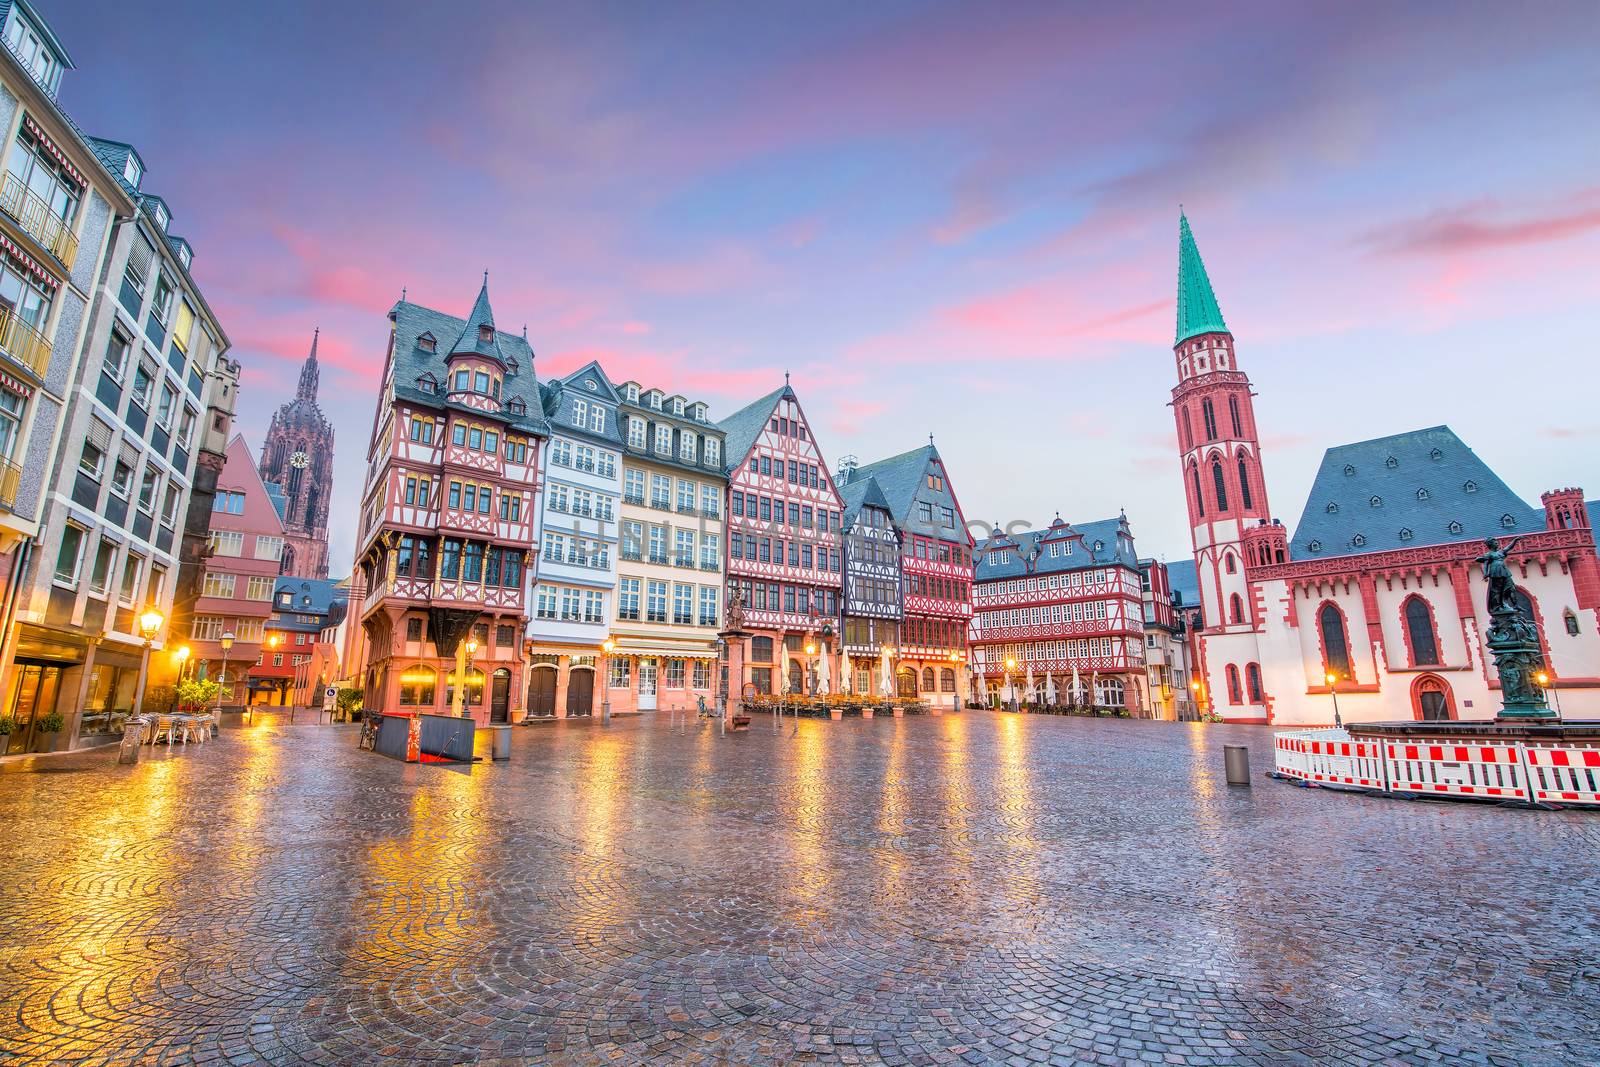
913 533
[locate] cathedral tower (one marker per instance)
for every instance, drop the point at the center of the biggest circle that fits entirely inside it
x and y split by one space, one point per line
1221 459
298 457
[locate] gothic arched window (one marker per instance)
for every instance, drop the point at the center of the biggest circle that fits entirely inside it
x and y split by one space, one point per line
1335 649
1199 499
1220 486
1210 417
1228 562
1233 412
1244 485
1252 678
1419 630
1235 609
1188 431
1234 696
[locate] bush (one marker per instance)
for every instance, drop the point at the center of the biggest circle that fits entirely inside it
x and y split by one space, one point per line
8 725
50 723
348 702
197 692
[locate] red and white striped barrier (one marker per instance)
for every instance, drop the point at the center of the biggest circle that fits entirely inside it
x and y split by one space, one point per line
1491 770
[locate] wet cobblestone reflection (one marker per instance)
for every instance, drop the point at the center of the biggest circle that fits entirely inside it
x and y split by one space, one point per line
959 889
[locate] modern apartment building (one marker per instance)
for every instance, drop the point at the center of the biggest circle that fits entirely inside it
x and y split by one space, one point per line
109 347
577 538
670 578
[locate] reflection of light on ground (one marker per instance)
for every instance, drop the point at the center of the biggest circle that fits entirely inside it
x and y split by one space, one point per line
893 808
1201 778
957 786
1014 786
806 798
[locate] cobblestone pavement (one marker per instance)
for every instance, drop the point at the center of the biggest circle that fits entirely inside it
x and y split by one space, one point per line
961 889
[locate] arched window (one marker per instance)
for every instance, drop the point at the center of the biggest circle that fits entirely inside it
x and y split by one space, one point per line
1244 485
1228 563
474 691
1210 418
1110 693
927 680
1199 500
1233 412
1188 431
1431 700
1219 484
1252 678
947 680
417 686
1419 632
1335 648
1234 696
1235 609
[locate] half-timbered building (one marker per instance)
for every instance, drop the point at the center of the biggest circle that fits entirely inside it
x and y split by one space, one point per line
670 578
447 518
870 625
1375 606
936 566
1061 607
577 535
784 560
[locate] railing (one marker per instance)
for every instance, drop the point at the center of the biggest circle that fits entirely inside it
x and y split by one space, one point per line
632 555
23 343
658 557
683 561
10 479
687 509
709 565
1489 768
661 505
633 498
35 216
586 465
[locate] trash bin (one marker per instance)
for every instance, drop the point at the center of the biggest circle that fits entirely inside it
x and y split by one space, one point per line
1236 761
500 745
132 747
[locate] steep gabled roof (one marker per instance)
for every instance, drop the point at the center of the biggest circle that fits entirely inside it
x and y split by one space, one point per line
1184 579
1198 312
1104 542
741 429
1425 487
862 492
899 477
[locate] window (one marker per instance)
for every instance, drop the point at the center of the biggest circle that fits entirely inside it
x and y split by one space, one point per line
418 684
1335 649
636 432
1252 677
1420 633
259 587
675 674
92 460
708 605
143 381
186 427
702 674
100 573
1234 695
116 361
597 419
619 672
130 578
269 548
182 328
628 599
169 506
136 275
656 601
580 412
686 442
711 452
1233 412
1219 485
1244 485
683 604
218 584
1235 609
1199 500
1210 417
149 485
227 543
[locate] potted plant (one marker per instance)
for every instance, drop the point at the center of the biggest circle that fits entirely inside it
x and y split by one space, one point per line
47 727
7 725
347 704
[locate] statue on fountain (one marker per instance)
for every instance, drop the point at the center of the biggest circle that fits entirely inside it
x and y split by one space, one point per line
1513 640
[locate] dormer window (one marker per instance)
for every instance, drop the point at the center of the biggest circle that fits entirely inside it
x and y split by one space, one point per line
633 394
1423 494
677 407
1406 534
1470 487
485 334
1454 527
1358 541
1349 470
1314 546
1376 501
1436 455
591 385
1391 463
185 256
1333 509
1508 520
427 342
161 215
34 54
132 170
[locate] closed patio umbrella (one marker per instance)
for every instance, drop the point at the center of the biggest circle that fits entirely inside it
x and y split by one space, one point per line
1050 689
983 691
1077 687
826 684
1031 698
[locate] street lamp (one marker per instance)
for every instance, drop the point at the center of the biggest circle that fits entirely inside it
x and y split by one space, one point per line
955 696
607 646
811 671
1194 687
226 641
149 625
1011 693
466 677
180 658
1543 678
1333 691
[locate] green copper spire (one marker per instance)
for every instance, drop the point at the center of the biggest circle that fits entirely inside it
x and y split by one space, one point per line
1197 305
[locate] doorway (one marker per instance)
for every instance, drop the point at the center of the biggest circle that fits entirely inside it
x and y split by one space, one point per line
580 692
647 684
542 692
1432 700
500 696
33 695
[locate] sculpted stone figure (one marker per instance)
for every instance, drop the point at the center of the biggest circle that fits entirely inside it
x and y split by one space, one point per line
1502 587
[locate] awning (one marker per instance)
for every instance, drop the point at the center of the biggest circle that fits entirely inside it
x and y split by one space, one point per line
663 652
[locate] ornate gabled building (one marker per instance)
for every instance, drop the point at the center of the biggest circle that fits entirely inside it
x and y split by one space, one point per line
872 606
670 578
1379 587
784 562
443 544
577 535
297 456
1056 605
936 565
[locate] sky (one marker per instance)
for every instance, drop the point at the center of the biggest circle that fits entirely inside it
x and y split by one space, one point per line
948 218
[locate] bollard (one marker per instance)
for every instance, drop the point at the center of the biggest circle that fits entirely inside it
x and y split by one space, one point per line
1236 761
500 743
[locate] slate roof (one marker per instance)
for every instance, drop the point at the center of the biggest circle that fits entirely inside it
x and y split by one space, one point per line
280 502
558 395
1184 579
899 477
861 492
1425 487
741 429
312 596
1198 311
411 362
1103 533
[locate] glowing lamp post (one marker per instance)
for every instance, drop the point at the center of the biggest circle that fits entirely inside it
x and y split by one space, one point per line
1199 698
180 663
149 625
226 642
1543 678
607 646
1011 693
811 671
1333 691
955 696
465 688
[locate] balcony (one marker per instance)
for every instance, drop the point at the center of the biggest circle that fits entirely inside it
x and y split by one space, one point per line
586 465
661 505
10 479
633 498
23 343
683 561
35 216
632 555
709 565
688 509
658 557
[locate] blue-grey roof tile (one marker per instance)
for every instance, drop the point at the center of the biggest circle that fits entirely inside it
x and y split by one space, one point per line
411 362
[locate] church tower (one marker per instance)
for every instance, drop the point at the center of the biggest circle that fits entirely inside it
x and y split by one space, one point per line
297 456
1221 460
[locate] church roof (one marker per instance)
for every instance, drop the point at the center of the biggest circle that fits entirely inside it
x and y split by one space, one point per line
412 362
741 429
1198 312
1104 542
1425 487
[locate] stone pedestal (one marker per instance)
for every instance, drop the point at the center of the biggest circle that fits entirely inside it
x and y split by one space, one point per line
1518 660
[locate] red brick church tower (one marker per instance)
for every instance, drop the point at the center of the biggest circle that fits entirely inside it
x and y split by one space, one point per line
1221 475
298 457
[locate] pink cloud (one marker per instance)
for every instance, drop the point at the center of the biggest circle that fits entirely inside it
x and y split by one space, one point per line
1467 229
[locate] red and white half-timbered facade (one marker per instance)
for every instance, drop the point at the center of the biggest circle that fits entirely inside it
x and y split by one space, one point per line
784 548
446 537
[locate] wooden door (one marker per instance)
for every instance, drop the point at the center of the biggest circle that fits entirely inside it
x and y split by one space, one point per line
542 692
580 692
500 696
